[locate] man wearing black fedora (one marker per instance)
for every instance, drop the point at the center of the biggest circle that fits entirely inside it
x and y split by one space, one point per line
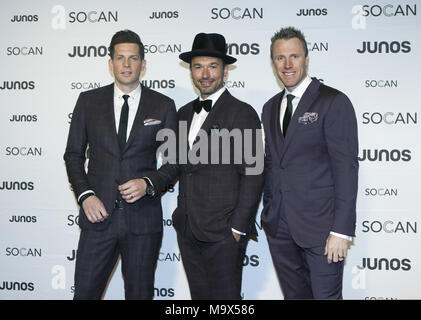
217 200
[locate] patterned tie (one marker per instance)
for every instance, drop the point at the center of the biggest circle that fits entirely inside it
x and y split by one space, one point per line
122 128
198 105
287 115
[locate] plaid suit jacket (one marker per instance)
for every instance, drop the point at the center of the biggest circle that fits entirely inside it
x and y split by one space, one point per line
93 126
216 197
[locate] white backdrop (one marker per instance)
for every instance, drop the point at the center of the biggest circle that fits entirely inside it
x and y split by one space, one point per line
41 79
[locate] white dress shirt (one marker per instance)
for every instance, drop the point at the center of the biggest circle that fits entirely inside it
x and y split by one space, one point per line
197 122
298 93
199 118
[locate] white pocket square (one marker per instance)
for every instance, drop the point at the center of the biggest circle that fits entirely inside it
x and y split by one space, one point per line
151 122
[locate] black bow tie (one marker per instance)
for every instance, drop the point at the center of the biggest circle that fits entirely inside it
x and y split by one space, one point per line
198 105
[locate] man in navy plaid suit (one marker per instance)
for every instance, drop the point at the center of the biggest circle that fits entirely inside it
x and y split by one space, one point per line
217 200
118 124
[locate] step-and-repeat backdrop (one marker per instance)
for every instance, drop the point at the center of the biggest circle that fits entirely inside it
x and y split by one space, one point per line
50 51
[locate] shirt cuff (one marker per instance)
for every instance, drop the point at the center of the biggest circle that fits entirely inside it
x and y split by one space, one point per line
238 232
86 192
340 235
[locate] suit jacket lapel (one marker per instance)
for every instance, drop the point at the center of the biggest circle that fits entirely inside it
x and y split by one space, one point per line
275 125
109 116
305 103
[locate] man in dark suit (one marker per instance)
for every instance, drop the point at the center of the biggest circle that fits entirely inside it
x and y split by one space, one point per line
118 123
219 194
311 175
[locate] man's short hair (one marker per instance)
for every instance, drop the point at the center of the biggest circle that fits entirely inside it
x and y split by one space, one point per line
126 36
286 34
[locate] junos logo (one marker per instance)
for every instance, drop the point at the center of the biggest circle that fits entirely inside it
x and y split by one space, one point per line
393 264
25 18
243 48
385 47
23 219
17 185
24 118
312 12
164 15
17 286
385 155
17 85
88 51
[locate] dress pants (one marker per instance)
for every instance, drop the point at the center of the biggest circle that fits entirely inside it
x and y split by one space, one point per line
213 269
97 255
304 272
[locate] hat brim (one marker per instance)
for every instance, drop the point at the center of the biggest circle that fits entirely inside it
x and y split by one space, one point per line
187 56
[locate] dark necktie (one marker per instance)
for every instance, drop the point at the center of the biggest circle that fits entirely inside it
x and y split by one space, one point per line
287 115
198 105
122 127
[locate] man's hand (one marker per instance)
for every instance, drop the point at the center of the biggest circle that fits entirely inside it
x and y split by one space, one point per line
336 249
94 209
132 190
236 236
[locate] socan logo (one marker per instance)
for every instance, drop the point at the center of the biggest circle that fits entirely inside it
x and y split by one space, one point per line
381 192
381 83
390 118
237 13
24 51
162 48
389 10
23 252
385 47
60 17
389 226
23 151
169 257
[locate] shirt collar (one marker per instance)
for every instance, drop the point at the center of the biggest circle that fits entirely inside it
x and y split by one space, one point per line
134 94
299 91
214 96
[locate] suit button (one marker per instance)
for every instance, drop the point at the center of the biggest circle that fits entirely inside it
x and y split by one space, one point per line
121 158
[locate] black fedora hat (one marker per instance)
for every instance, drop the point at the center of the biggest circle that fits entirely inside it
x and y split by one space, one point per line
209 45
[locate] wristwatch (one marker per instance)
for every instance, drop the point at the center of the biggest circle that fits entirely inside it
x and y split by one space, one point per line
150 190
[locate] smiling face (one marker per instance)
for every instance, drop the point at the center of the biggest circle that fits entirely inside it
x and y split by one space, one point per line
290 62
126 65
208 74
